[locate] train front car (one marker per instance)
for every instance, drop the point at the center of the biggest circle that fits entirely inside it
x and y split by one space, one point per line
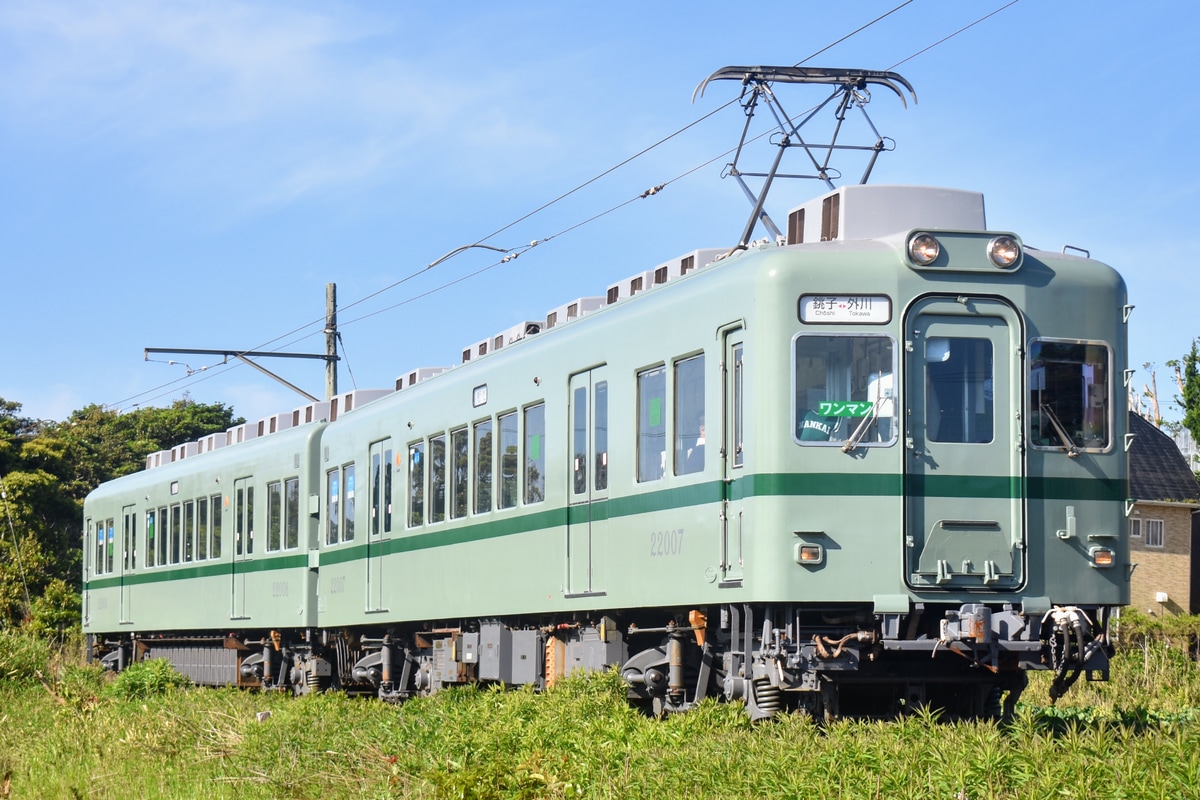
936 495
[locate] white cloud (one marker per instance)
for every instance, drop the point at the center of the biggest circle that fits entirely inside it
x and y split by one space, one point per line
259 104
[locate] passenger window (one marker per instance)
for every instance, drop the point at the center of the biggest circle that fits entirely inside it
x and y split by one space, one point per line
845 388
98 554
163 535
274 516
129 537
348 503
416 484
579 437
176 530
600 434
437 479
689 415
333 504
535 453
291 504
202 529
652 426
1070 391
189 530
110 545
215 550
509 462
381 489
739 448
459 473
150 533
483 467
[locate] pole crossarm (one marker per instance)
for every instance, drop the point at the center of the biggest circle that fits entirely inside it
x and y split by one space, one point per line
239 353
244 355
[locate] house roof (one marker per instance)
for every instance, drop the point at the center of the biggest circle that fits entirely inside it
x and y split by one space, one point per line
1157 470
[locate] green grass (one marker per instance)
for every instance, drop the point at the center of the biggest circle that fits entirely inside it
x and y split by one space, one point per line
71 731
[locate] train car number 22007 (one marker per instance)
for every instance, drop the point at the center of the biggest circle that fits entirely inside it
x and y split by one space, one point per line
666 543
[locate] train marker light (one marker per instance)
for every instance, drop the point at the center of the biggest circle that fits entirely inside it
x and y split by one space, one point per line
1004 251
1102 557
809 555
923 249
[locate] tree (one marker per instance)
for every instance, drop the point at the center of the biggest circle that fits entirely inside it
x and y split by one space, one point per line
46 471
1187 376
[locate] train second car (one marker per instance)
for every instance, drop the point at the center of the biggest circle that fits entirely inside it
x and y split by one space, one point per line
877 463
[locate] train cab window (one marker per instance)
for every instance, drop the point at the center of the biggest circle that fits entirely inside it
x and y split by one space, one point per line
459 473
959 381
535 453
483 467
1070 395
689 415
844 388
652 424
509 463
416 484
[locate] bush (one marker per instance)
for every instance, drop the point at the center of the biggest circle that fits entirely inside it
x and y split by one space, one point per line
55 614
146 679
25 659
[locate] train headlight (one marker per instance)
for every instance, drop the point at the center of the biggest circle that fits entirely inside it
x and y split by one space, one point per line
1004 251
923 249
1103 557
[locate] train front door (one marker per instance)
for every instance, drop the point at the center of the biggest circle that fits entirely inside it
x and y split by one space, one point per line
588 510
963 481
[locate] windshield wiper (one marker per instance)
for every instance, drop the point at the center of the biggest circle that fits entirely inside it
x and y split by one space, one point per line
1072 450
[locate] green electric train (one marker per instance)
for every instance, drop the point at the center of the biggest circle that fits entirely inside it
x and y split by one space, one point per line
916 490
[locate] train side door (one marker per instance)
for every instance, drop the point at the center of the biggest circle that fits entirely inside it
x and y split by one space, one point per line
243 543
127 561
965 524
380 530
588 509
733 455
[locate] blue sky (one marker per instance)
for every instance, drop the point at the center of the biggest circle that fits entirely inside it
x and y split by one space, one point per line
192 174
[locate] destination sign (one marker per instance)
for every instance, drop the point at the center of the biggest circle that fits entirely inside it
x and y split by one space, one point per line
868 309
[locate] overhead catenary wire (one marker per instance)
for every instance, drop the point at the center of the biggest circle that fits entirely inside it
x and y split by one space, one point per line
214 370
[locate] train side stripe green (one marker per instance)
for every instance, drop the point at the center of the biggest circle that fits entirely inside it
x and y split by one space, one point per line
747 487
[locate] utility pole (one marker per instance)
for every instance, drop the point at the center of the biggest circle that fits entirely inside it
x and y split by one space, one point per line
330 355
331 336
